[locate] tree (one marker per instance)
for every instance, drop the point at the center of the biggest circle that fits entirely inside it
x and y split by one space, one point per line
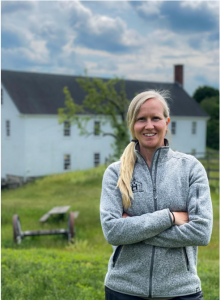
208 97
211 106
106 100
203 92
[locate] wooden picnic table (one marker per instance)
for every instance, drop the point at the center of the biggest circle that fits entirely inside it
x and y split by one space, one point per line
58 210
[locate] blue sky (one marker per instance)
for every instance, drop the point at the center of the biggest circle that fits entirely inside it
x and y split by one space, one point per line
138 40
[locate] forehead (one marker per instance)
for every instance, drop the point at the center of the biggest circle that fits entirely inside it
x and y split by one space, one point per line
152 105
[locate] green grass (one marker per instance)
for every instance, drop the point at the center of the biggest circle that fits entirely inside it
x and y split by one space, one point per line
47 267
52 274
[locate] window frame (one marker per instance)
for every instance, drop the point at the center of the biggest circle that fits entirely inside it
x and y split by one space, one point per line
194 127
8 128
96 158
173 127
66 128
97 127
67 162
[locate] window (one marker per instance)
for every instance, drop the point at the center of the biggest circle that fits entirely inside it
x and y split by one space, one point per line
193 127
66 162
193 152
96 159
8 128
96 128
173 127
1 96
66 128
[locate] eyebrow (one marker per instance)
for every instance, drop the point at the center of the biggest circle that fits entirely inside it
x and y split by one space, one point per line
143 116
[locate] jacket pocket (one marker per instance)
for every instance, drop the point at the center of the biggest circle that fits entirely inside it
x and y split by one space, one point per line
116 254
197 199
186 258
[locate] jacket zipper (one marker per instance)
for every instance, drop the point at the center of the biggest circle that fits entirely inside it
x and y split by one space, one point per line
197 199
116 254
155 208
186 258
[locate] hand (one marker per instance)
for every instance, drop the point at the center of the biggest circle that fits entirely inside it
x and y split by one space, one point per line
125 215
180 217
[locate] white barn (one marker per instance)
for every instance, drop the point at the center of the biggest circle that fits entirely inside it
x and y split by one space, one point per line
34 143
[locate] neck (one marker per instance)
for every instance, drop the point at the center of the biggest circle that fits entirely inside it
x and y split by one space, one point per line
147 154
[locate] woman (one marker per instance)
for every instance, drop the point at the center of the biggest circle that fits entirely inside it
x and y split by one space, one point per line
156 208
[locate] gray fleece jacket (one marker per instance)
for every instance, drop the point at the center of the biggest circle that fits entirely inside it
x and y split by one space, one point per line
153 257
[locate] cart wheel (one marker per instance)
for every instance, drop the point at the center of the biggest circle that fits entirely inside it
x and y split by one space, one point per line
17 229
70 228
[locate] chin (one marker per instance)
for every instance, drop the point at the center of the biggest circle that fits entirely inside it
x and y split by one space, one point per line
150 146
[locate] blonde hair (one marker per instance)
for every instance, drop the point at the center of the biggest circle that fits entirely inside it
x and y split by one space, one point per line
128 157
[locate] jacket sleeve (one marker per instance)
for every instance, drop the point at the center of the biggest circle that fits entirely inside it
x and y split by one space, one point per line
118 230
198 231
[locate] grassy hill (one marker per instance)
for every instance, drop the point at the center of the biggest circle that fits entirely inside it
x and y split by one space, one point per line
47 267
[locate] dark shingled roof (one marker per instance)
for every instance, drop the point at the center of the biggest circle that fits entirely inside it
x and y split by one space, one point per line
39 93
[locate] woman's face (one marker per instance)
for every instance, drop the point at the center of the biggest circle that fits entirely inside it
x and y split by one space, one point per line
150 125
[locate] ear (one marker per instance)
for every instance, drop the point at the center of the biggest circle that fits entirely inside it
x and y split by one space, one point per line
168 121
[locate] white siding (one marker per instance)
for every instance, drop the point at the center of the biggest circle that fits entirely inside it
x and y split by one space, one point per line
184 140
12 147
46 146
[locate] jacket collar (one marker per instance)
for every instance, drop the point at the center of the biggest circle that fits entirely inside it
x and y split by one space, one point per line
164 152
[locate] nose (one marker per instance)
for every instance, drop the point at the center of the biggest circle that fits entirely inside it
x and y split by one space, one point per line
149 125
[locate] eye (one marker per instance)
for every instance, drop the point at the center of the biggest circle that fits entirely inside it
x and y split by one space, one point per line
156 118
141 119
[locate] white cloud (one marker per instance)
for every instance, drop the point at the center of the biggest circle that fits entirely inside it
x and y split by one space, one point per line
83 51
117 6
18 30
212 6
197 4
39 47
149 8
34 56
78 12
25 55
191 4
108 31
103 25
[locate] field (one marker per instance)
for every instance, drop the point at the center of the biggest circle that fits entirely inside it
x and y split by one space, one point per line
48 267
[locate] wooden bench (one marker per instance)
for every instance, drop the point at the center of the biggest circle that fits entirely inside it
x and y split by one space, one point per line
58 210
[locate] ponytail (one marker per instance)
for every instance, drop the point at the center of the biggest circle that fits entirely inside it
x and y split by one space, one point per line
128 160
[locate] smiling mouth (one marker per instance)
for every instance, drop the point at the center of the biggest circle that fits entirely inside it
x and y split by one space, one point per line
149 134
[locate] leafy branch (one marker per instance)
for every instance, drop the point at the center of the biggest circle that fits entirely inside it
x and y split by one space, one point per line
106 103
